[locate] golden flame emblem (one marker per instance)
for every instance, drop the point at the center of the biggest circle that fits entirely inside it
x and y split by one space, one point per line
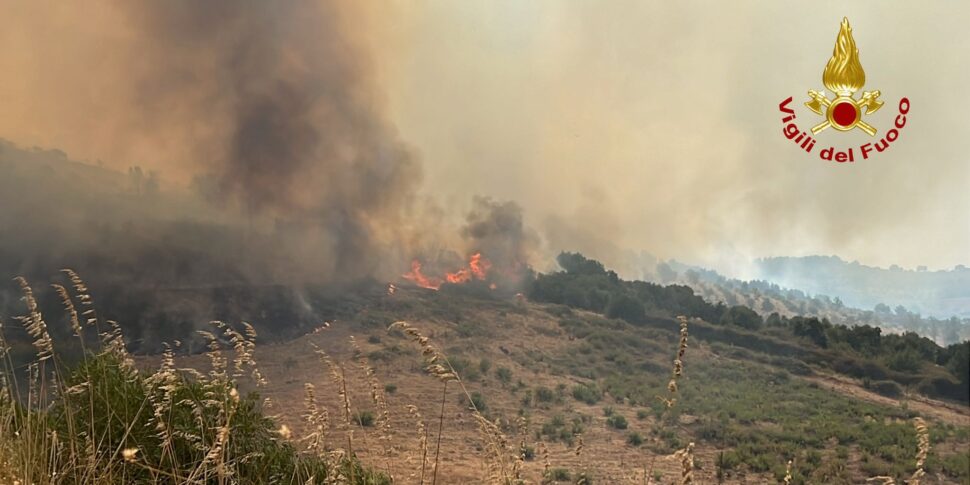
844 76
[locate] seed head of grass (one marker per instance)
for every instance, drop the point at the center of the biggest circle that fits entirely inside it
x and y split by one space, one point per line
435 363
34 322
130 454
922 449
686 457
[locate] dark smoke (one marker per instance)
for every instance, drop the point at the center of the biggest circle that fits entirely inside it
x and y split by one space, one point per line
295 129
497 230
269 111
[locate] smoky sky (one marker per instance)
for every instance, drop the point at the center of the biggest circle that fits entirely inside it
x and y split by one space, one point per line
618 127
623 126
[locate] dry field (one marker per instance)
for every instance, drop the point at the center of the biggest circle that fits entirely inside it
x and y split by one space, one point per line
529 345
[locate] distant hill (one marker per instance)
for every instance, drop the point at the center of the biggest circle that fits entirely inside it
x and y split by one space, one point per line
939 294
770 296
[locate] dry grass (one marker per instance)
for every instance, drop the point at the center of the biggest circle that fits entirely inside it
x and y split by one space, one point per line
108 422
35 450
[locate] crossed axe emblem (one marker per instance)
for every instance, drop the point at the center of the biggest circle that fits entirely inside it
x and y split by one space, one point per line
869 101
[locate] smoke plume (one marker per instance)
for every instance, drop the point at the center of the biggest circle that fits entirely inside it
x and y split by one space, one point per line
497 230
270 110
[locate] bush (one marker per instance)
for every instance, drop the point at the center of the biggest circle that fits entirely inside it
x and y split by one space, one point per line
484 365
544 394
905 361
743 317
110 403
588 394
634 439
390 388
886 388
559 475
465 369
364 418
642 414
478 401
504 375
617 421
626 308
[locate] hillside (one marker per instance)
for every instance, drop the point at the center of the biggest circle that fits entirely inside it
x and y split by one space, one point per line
940 294
767 297
560 379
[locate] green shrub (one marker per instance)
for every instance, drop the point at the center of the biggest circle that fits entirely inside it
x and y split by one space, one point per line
588 394
617 421
544 394
390 388
504 375
110 401
634 439
886 388
477 400
364 418
484 366
465 369
559 475
626 308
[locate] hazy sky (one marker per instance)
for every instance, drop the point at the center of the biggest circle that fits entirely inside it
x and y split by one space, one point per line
655 124
619 126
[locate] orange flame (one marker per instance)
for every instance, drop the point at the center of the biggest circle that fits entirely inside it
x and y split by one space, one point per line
478 268
420 279
479 265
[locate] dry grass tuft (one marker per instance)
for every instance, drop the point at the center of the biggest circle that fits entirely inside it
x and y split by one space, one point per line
500 456
686 457
107 422
922 449
678 369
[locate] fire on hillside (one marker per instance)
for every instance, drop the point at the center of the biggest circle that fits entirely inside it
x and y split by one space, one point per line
477 268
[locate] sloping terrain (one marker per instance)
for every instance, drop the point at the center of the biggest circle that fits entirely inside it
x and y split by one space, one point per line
578 393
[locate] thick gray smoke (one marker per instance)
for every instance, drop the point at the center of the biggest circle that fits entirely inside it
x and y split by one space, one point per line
268 110
497 230
297 131
265 162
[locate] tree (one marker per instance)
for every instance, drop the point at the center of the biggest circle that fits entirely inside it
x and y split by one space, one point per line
625 307
767 306
864 338
774 320
743 317
906 361
576 263
811 328
959 362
